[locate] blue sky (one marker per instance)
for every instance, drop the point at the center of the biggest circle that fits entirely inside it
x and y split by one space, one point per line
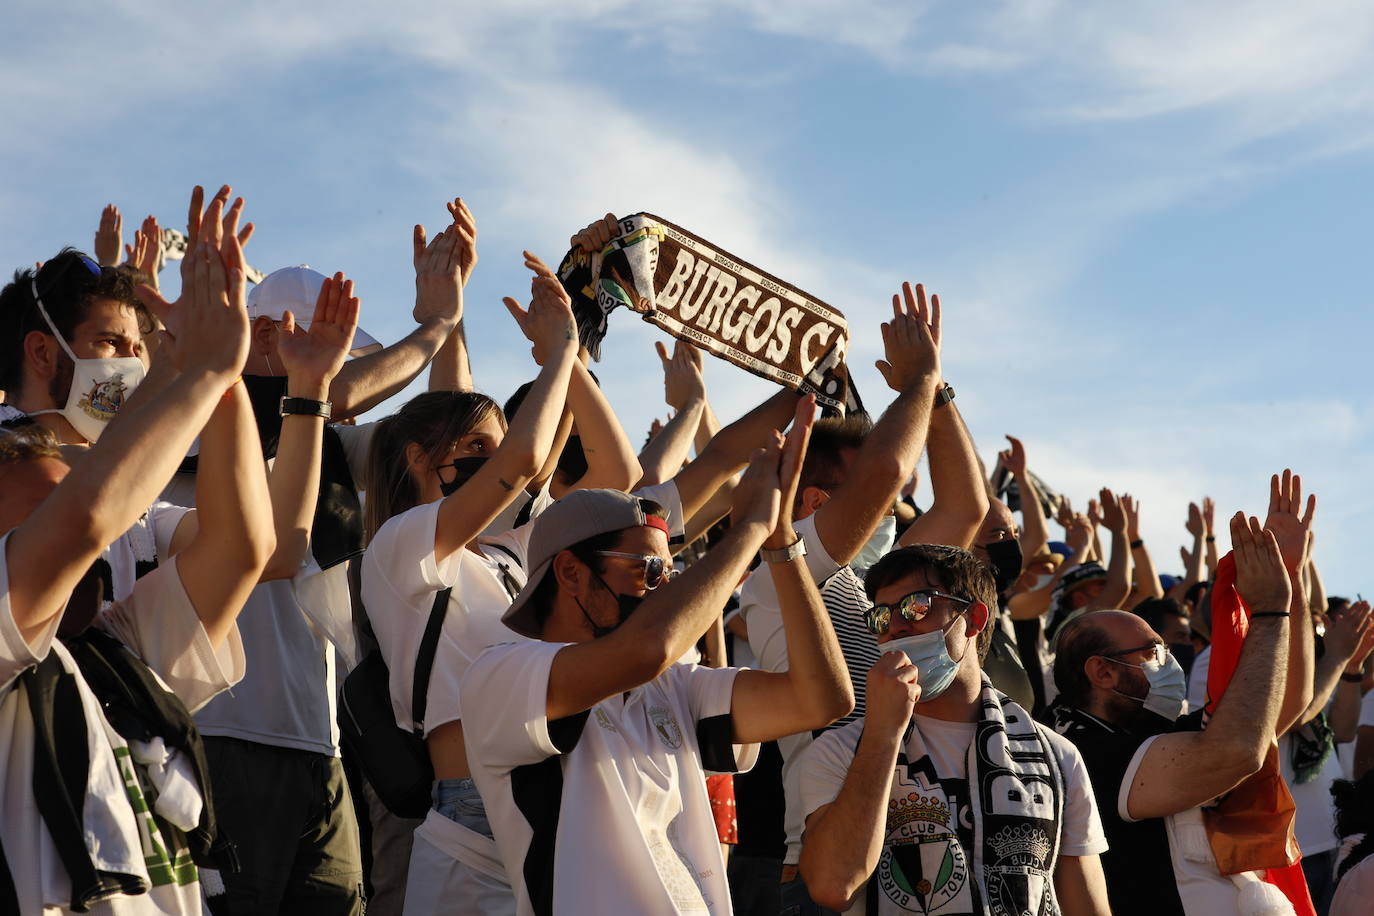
1147 220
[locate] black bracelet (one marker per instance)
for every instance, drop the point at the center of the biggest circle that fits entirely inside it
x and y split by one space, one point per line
1137 544
1268 614
1210 539
1352 678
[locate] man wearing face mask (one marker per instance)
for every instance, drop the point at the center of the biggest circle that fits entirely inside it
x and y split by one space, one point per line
947 797
1121 695
848 486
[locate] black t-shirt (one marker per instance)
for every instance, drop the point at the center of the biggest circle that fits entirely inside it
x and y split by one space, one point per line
1138 868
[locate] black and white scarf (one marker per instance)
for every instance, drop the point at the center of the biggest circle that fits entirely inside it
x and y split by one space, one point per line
1016 800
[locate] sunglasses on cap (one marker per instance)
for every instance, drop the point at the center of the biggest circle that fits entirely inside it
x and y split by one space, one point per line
656 569
912 607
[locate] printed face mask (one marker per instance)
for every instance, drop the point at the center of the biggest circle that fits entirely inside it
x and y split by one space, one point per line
878 545
1168 684
463 469
99 386
928 652
1005 557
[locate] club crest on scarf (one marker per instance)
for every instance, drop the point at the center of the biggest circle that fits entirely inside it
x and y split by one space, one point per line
718 302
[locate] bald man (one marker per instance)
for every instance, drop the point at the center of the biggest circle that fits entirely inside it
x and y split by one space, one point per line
1152 769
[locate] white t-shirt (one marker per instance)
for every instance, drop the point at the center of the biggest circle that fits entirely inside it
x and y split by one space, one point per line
605 811
158 622
289 627
401 576
845 601
1197 679
149 538
825 765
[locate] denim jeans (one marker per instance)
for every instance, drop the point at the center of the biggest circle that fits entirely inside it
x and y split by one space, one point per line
457 800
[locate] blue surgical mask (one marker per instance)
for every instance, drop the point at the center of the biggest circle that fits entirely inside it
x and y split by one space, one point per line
1168 686
935 669
878 545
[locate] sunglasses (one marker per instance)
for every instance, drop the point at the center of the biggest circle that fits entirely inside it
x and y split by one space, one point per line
95 269
656 569
912 607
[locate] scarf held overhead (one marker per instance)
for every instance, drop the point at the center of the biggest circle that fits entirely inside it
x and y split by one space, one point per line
712 299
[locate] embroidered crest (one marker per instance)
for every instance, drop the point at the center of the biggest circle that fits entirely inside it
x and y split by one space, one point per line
666 726
604 720
104 399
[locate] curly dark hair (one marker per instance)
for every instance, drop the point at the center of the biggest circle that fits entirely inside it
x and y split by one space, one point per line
952 569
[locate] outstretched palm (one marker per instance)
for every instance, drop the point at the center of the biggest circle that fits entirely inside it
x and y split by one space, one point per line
318 352
1293 532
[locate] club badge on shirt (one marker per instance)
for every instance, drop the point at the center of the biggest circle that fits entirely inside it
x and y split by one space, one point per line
665 724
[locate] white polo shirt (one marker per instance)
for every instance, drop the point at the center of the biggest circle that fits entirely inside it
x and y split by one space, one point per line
605 811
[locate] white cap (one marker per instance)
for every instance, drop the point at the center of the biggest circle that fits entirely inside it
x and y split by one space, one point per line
295 289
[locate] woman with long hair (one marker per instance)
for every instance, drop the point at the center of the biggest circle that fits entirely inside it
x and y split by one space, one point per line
440 472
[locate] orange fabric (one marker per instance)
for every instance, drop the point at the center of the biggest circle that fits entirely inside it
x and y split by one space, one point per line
1252 827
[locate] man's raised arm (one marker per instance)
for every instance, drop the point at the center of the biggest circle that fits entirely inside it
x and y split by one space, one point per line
956 481
911 343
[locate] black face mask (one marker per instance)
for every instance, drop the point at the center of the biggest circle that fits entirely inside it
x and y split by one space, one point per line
627 605
1005 558
463 469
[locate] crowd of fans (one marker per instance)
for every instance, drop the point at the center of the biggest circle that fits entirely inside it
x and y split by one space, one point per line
260 658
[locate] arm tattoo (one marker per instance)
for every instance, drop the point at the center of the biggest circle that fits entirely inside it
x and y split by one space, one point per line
504 484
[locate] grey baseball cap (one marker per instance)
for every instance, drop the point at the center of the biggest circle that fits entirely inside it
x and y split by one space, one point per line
574 518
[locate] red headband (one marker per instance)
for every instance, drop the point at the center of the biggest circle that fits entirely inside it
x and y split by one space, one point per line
653 521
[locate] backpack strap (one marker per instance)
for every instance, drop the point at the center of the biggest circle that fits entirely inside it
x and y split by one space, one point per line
424 661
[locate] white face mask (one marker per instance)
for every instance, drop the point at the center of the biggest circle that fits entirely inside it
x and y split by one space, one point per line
935 668
1168 686
878 545
99 386
1039 582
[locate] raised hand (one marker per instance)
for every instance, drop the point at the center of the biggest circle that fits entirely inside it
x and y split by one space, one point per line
1014 458
438 276
1347 633
211 320
757 497
1094 513
1064 515
594 238
1292 532
145 254
1079 533
682 378
892 692
465 225
314 356
109 237
173 315
789 472
1209 516
1131 506
1195 525
1261 577
911 340
548 331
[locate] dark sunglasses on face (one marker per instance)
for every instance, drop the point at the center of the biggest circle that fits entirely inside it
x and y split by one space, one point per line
656 569
912 607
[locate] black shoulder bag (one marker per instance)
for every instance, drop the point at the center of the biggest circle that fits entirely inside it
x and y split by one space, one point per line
396 761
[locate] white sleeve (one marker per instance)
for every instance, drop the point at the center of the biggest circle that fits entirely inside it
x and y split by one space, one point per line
164 518
505 705
400 565
758 600
1081 833
667 496
1197 679
160 625
823 766
1123 797
710 692
17 654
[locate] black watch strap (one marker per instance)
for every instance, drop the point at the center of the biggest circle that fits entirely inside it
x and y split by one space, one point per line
944 395
306 407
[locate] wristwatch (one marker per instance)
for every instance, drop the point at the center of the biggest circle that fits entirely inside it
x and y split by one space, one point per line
944 395
305 407
792 551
